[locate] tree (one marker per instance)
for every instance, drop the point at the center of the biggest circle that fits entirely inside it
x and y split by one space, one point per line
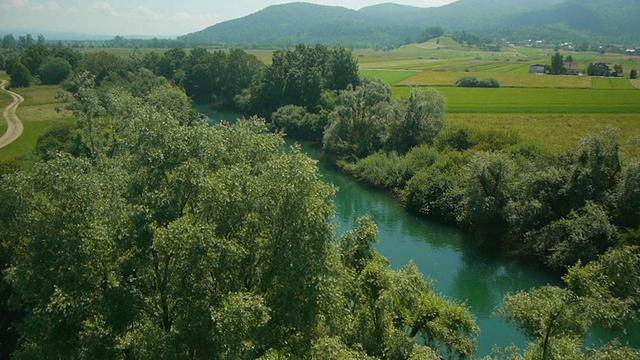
343 70
423 118
20 76
8 41
600 294
395 314
628 196
618 69
54 70
557 64
582 235
101 65
359 125
633 74
488 183
430 33
34 56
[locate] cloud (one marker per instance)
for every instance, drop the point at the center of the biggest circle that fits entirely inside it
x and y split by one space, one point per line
102 6
50 6
9 4
142 11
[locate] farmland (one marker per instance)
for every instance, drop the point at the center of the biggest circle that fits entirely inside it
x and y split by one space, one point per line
553 111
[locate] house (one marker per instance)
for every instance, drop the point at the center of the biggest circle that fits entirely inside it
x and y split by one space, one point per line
537 69
571 68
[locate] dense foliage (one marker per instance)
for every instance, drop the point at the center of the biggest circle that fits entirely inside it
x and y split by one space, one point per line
145 234
299 77
30 62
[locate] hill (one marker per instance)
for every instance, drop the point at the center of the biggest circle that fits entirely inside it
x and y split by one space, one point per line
393 24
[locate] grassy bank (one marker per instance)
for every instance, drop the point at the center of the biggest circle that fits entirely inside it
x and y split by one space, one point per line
39 111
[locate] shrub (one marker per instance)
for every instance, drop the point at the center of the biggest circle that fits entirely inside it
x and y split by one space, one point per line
382 170
472 81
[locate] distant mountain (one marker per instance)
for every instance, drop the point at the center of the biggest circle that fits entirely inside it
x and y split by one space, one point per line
392 24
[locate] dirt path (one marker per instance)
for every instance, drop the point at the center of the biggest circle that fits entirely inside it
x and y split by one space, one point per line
14 126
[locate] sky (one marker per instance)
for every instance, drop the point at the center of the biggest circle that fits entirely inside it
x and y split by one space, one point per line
164 18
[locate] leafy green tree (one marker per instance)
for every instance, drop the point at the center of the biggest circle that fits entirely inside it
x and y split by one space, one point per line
597 169
59 138
488 184
34 56
397 314
627 211
300 77
72 56
423 118
54 70
8 41
633 74
343 70
359 125
582 235
20 76
618 69
557 64
171 62
102 65
557 319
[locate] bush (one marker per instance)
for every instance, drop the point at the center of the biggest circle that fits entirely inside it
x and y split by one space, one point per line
472 81
20 75
382 170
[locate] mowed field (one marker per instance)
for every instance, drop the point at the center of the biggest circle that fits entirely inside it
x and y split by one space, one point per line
553 111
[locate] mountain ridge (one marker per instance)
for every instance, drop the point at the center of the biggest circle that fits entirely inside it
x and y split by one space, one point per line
390 24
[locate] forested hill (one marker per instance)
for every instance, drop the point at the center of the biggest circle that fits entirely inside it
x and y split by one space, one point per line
393 24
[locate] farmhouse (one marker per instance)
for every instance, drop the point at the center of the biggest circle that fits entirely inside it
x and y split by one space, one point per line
536 69
571 68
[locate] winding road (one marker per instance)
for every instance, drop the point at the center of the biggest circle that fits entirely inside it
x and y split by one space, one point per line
14 126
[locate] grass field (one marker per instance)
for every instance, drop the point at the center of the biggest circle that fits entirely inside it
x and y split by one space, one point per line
390 77
537 101
524 80
558 132
37 113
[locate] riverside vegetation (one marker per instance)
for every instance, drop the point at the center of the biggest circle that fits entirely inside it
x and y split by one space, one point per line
142 233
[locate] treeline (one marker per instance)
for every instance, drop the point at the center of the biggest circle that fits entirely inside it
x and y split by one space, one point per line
514 196
142 233
33 62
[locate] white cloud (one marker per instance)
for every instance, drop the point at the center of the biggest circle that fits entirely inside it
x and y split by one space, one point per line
142 11
102 6
9 4
50 6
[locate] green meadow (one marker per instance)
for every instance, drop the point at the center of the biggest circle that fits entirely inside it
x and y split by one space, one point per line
39 111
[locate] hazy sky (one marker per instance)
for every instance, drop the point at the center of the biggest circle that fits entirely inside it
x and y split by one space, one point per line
145 17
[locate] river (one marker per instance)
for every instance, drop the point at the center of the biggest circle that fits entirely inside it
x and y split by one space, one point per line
441 253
